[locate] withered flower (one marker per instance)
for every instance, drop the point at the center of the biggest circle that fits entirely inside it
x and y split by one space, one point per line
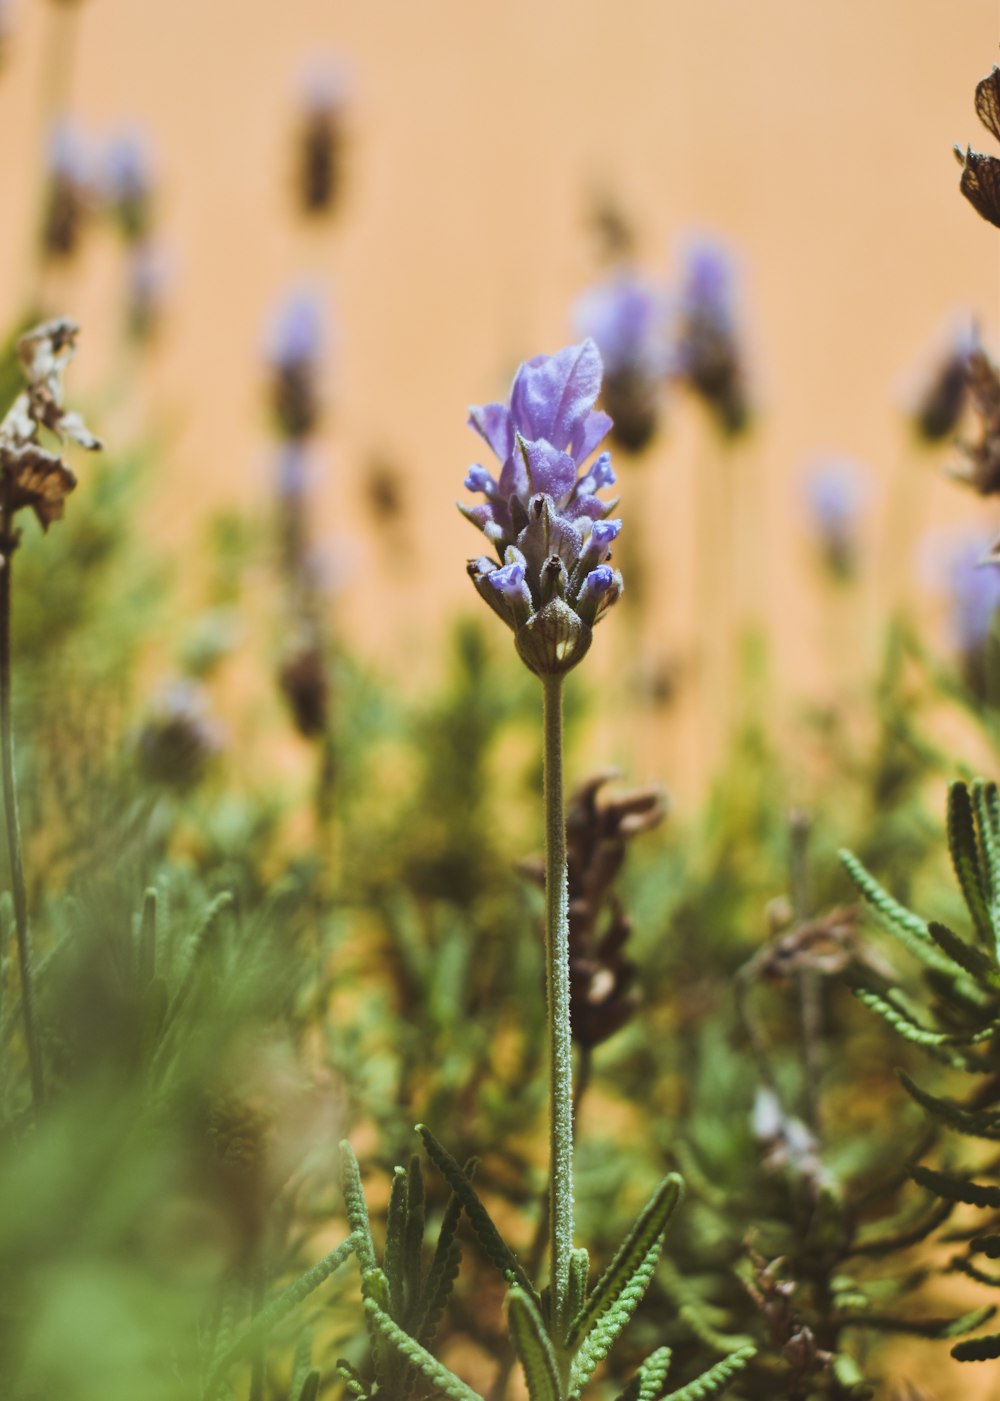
981 468
32 475
598 830
305 685
980 182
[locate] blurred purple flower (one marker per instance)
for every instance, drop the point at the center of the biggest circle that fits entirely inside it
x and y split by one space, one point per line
324 99
148 275
295 345
70 189
625 317
835 493
550 582
707 353
938 405
180 737
975 595
128 181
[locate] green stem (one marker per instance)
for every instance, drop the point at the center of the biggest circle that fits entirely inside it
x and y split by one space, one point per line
557 1007
13 826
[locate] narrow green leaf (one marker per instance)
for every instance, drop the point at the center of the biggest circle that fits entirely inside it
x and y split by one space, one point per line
977 1349
653 1375
479 1218
956 1189
410 1351
301 1363
604 1332
444 1267
889 1241
895 919
716 1379
965 859
646 1232
974 1272
413 1239
279 1308
967 956
353 1383
533 1347
309 1389
912 1030
356 1207
579 1270
395 1228
147 939
929 1327
976 1123
986 801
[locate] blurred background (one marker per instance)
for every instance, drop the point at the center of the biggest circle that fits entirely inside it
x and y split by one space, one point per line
491 166
279 768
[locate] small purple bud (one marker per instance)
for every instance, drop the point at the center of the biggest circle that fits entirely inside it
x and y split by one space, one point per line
478 479
509 580
603 533
597 582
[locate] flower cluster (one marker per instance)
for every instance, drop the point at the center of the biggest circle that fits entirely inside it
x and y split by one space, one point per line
551 580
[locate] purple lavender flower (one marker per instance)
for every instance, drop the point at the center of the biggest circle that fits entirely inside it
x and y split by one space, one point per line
128 182
70 194
834 489
707 351
180 737
624 316
550 581
975 596
148 277
294 349
321 138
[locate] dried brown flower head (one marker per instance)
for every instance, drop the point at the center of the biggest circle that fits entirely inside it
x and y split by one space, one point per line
980 183
598 830
981 468
32 475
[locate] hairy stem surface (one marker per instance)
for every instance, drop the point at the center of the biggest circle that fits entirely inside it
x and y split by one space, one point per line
14 831
557 1006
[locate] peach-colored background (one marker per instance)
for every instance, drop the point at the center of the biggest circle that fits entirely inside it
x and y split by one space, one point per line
814 137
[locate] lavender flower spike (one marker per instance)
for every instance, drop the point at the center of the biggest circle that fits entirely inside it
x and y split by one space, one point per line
626 317
550 581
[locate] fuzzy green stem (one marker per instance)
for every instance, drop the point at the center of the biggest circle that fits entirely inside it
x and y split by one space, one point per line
14 828
557 1007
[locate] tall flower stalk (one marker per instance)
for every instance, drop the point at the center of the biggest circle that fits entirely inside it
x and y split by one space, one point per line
550 584
30 476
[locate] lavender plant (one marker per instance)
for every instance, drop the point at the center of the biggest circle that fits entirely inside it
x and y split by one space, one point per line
33 477
550 583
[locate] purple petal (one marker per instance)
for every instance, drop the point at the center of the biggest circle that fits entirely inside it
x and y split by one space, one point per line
514 477
591 431
493 422
508 580
550 471
601 474
484 518
598 581
590 506
553 394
